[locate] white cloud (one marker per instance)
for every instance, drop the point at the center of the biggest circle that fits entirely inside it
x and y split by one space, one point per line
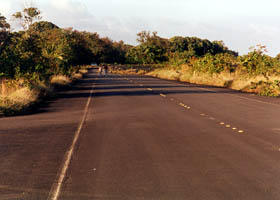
267 35
265 30
68 5
9 7
5 8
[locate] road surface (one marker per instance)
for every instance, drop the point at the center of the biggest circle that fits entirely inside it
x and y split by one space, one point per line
134 137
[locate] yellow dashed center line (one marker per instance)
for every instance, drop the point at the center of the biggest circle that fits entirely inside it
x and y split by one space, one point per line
188 107
240 131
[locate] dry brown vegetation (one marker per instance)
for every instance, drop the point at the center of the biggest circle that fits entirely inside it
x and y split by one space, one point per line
238 80
17 96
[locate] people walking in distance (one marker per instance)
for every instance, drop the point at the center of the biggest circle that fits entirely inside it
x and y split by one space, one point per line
105 69
100 70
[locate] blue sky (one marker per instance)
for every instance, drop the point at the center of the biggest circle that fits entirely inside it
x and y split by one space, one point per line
239 23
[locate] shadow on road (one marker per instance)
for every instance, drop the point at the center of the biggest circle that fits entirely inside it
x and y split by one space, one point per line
112 85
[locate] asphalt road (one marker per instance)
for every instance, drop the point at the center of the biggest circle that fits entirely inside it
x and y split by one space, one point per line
134 137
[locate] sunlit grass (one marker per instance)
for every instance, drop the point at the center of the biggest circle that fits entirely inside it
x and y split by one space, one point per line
83 71
238 80
15 96
77 75
60 80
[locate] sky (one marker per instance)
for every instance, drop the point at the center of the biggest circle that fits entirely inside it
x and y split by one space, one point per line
241 24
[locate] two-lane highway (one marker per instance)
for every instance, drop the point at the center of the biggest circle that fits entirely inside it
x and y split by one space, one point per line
135 137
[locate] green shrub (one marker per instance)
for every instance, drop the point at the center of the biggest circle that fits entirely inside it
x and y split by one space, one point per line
257 63
214 63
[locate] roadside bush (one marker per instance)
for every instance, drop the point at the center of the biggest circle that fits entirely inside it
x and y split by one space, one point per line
214 63
266 88
257 63
179 58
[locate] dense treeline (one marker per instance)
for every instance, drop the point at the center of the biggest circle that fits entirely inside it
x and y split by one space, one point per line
154 49
43 49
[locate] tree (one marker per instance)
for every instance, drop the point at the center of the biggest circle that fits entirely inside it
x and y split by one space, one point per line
42 26
4 37
4 30
57 50
27 17
151 50
178 44
4 25
121 48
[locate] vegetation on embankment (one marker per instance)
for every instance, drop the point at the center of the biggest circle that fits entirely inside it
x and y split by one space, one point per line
22 95
254 72
43 56
195 60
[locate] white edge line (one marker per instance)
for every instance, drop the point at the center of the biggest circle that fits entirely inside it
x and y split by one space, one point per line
56 187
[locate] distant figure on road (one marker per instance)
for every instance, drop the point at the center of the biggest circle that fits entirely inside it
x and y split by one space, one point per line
100 70
105 69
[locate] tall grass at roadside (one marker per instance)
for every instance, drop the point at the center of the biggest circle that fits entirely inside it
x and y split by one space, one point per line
18 96
266 86
80 73
60 80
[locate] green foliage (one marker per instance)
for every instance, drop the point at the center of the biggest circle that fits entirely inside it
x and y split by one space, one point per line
43 49
177 50
57 51
151 50
198 46
4 39
178 58
214 63
18 55
257 63
42 26
266 88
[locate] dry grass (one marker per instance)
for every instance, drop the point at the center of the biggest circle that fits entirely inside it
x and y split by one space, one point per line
191 77
236 81
15 96
77 75
83 71
19 96
60 80
22 96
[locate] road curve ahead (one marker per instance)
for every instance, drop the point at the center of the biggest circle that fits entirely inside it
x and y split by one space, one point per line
135 137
